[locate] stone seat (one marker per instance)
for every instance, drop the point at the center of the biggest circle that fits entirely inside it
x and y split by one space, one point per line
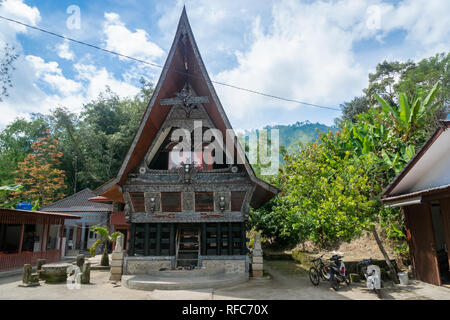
182 281
55 272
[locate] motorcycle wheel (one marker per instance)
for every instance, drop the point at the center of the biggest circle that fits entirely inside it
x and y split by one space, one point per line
347 280
314 276
325 275
334 283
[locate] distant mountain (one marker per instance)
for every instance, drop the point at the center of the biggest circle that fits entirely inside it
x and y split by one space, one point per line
303 132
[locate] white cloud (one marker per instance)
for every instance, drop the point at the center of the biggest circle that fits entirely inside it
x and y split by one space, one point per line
308 53
64 51
305 55
122 40
40 85
16 9
98 78
51 74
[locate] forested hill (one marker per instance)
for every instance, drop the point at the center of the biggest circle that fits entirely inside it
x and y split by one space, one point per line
302 132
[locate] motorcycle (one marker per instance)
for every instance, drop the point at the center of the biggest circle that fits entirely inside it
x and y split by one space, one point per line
337 272
372 274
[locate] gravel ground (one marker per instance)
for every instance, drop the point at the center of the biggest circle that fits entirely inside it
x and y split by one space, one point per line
288 281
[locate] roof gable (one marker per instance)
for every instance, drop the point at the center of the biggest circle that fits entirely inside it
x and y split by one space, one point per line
428 169
171 81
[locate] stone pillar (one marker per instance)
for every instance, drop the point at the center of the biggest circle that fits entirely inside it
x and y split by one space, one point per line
257 258
86 273
117 260
39 270
29 279
80 261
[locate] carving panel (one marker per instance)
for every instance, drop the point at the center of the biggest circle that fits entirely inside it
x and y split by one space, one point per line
188 201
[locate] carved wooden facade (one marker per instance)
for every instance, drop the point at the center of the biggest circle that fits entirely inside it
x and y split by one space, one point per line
164 197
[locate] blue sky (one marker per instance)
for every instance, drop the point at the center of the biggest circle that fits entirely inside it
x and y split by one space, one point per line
315 51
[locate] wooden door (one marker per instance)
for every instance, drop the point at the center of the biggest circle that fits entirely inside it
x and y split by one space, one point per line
422 243
445 212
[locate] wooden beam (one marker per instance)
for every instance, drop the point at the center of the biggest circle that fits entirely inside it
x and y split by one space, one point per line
243 238
219 239
230 239
158 239
146 238
22 231
131 239
61 235
203 239
172 240
44 238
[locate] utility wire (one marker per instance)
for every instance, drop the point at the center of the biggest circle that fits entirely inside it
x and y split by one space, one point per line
162 67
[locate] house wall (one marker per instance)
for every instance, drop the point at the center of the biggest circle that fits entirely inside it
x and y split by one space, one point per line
422 243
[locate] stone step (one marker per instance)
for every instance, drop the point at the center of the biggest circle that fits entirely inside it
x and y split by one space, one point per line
148 282
199 272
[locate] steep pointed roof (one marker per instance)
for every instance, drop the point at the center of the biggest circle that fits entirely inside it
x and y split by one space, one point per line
172 79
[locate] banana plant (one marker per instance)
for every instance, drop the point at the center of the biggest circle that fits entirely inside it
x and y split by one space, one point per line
397 161
105 238
410 115
10 188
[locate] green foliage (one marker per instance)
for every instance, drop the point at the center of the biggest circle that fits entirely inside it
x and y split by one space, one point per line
105 238
411 78
330 188
93 143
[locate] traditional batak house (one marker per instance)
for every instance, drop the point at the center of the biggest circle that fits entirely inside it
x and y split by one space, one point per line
79 237
183 210
26 236
422 190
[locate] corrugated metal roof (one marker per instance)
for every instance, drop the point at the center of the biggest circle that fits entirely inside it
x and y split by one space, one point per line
78 202
445 124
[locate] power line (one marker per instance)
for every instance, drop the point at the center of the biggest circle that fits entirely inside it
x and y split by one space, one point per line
162 67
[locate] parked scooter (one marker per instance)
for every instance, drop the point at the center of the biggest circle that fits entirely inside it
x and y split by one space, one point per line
372 274
337 272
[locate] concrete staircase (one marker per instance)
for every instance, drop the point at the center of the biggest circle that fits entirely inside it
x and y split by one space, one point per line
183 279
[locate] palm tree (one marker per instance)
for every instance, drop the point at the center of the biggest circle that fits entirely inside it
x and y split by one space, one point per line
104 239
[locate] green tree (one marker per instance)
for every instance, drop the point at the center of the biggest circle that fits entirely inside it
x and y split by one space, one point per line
7 59
105 239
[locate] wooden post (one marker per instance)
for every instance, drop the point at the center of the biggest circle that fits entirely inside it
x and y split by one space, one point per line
44 238
243 238
204 239
131 239
172 240
158 239
61 235
230 239
22 231
146 238
219 239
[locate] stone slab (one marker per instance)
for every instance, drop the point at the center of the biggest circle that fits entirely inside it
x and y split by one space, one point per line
257 259
116 263
257 266
117 256
116 270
